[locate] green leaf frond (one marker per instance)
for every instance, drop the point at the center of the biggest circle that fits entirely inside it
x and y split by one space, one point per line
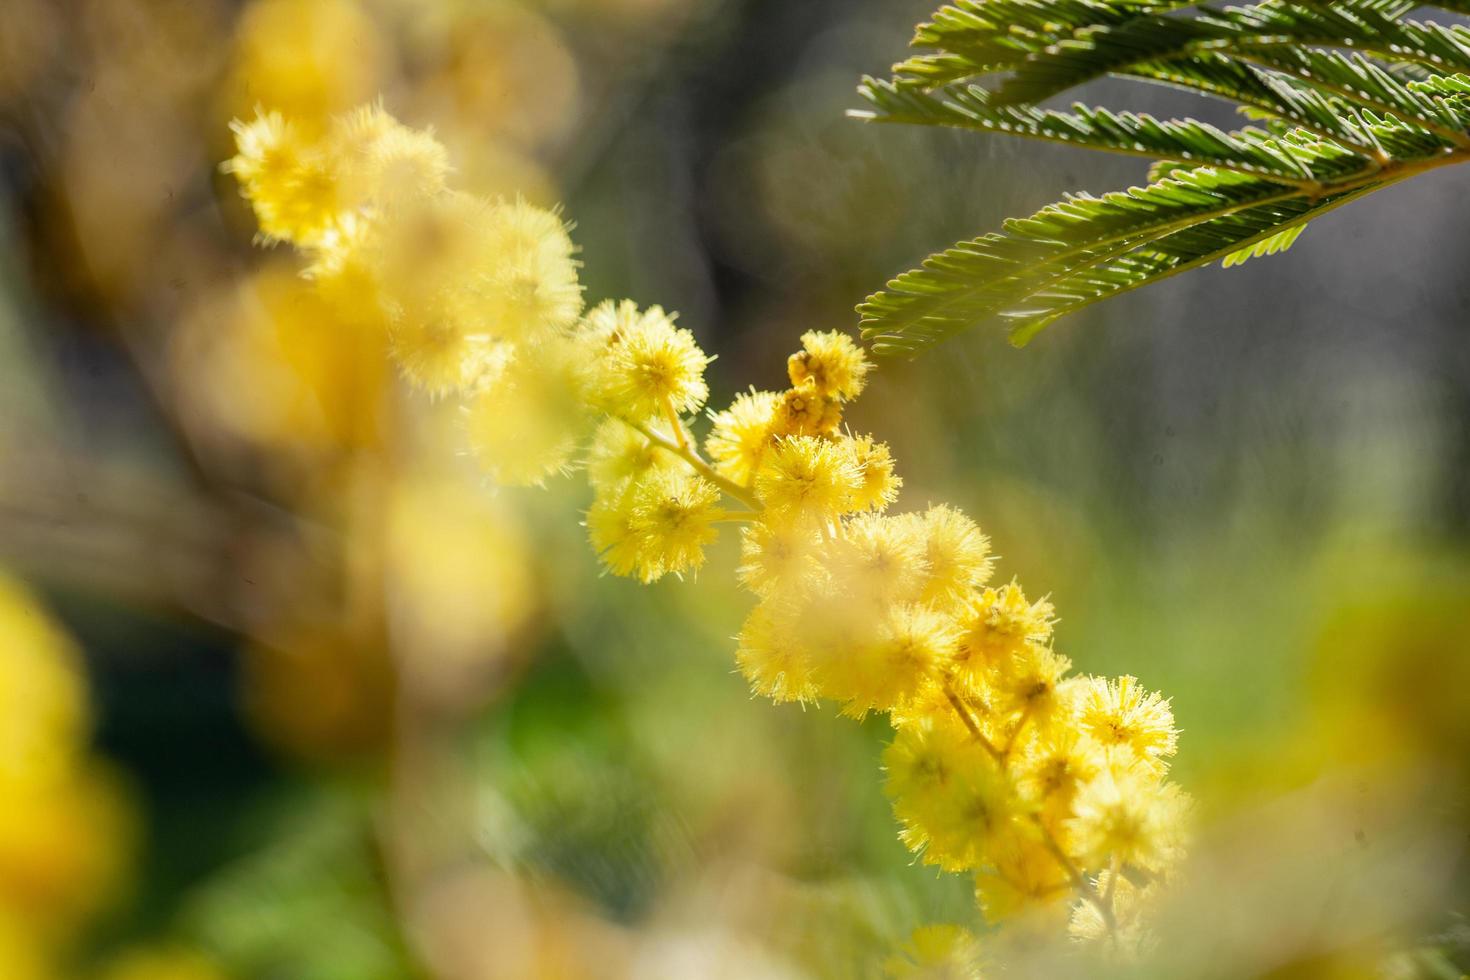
1279 242
1344 98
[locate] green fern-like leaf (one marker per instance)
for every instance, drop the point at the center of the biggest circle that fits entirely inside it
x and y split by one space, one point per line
1344 98
1279 242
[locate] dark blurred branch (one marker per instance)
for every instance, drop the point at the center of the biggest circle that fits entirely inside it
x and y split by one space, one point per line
120 532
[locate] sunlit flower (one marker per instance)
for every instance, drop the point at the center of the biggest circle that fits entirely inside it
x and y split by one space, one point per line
878 485
831 363
648 366
957 555
804 476
805 411
1119 714
659 525
772 656
741 435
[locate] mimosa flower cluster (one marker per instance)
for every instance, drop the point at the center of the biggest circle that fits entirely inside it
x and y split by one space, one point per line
1051 789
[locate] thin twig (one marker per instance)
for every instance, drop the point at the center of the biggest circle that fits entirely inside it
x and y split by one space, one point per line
1074 875
964 713
1016 732
1078 879
689 456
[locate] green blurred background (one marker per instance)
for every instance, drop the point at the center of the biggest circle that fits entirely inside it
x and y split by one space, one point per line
1248 487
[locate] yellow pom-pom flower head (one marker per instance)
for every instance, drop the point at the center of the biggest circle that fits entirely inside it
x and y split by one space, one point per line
780 558
956 806
614 534
620 454
998 622
772 655
658 526
808 477
1122 716
898 653
267 149
741 435
878 485
1024 879
384 163
805 411
1126 815
440 350
831 363
936 952
1028 683
642 364
957 555
291 183
434 249
523 424
1054 765
531 285
877 558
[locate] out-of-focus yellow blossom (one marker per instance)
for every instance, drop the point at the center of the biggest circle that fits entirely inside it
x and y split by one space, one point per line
278 361
381 161
779 557
1024 880
502 71
619 454
463 284
43 708
308 60
1129 935
459 583
520 423
938 952
1002 766
64 825
965 809
771 655
902 650
1125 813
878 559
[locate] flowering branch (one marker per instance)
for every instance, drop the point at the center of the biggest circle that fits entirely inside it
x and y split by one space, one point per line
876 611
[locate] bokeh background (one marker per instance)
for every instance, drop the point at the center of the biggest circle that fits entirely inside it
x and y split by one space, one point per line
293 694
